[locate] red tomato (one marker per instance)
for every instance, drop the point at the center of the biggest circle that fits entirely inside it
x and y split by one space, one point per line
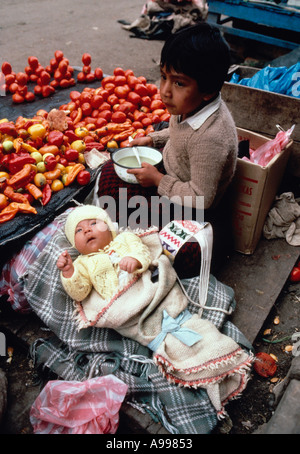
119 71
86 59
47 90
85 96
129 72
113 99
90 77
6 68
295 274
75 95
63 66
9 79
33 62
137 125
152 89
96 101
45 77
165 116
17 98
29 97
107 79
132 81
59 55
83 177
134 98
98 73
105 106
157 104
37 90
120 80
86 109
81 77
100 122
13 87
142 79
110 88
104 93
146 101
264 364
86 69
22 90
141 90
71 154
53 64
118 117
122 91
22 78
106 114
127 107
146 122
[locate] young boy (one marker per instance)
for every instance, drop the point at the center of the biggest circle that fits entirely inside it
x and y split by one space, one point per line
200 144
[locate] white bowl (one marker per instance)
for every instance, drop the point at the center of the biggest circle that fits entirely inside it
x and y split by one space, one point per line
147 154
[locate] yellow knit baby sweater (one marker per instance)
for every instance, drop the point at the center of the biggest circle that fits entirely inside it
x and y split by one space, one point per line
98 270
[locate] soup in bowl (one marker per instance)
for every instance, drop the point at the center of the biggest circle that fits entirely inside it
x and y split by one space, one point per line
124 159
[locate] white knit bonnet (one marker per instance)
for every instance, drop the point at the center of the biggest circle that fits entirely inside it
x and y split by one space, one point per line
86 212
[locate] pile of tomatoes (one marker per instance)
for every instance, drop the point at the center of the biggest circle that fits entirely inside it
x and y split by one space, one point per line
124 105
38 160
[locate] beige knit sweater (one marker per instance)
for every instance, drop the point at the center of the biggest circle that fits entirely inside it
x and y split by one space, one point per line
198 162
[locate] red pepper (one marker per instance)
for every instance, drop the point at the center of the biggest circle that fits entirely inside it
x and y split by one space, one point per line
17 163
9 128
90 145
47 193
71 135
5 160
14 196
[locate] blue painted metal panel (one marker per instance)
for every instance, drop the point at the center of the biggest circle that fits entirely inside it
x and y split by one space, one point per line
259 13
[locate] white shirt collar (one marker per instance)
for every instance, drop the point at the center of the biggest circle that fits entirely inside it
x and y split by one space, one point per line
200 117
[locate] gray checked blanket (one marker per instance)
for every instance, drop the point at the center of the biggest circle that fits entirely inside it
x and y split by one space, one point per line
90 352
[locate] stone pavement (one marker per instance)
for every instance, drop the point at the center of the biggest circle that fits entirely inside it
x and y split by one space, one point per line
286 418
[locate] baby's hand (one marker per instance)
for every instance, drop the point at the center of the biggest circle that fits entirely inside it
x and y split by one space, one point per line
129 264
64 263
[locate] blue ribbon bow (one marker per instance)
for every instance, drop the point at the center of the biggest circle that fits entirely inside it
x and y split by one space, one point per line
173 326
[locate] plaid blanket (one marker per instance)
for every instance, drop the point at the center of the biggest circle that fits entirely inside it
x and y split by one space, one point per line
78 355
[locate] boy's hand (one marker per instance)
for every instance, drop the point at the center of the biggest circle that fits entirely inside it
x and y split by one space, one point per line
129 264
147 176
65 265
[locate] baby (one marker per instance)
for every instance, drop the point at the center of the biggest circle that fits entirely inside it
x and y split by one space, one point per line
103 254
188 350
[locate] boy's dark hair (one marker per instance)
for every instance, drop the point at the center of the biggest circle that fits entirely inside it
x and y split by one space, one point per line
201 53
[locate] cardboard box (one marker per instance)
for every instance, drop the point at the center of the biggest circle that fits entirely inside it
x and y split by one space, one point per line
253 191
260 111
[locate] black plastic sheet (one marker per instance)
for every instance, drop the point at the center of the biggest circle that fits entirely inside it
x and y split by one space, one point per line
14 233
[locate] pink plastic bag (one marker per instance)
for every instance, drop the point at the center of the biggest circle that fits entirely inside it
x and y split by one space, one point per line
263 154
74 407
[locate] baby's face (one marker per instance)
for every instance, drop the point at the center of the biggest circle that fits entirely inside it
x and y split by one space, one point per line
91 235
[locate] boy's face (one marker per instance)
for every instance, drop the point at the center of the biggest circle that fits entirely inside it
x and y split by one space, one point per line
91 235
180 93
